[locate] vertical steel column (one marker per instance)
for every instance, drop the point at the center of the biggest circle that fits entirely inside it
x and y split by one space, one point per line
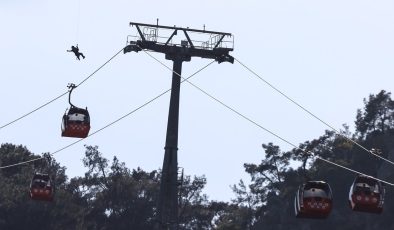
168 198
167 205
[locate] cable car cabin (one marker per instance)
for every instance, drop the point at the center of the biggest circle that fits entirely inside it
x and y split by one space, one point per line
41 187
313 200
76 123
366 195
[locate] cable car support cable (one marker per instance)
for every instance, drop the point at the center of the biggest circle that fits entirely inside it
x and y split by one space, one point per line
34 110
108 125
310 113
352 170
61 95
263 128
212 97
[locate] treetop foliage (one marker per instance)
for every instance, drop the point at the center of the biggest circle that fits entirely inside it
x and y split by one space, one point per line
111 196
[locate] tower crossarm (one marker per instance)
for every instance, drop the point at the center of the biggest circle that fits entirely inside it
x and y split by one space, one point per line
216 45
178 28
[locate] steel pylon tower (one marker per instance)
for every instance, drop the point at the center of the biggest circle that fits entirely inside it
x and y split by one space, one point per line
216 46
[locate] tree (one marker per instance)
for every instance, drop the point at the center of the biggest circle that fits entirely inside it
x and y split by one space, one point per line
378 114
248 203
17 211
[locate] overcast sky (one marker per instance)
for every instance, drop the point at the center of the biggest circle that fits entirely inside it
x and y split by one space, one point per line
326 55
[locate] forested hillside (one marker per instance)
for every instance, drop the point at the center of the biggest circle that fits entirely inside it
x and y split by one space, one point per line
111 196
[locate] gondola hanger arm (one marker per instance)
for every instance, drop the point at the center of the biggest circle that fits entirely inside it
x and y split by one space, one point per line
71 87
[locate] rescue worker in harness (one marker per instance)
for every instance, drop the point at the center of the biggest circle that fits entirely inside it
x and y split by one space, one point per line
75 50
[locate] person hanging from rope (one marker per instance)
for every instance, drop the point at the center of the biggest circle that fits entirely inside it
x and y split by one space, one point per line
75 50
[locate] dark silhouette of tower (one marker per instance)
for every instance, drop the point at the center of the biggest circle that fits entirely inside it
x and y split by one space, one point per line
217 47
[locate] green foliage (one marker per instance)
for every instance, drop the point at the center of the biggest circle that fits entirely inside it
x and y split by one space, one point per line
374 128
378 114
108 196
111 196
17 211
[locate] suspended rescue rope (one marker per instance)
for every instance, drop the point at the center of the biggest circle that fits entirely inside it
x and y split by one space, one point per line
75 49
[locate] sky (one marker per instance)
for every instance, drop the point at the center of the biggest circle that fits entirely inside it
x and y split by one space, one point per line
326 55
